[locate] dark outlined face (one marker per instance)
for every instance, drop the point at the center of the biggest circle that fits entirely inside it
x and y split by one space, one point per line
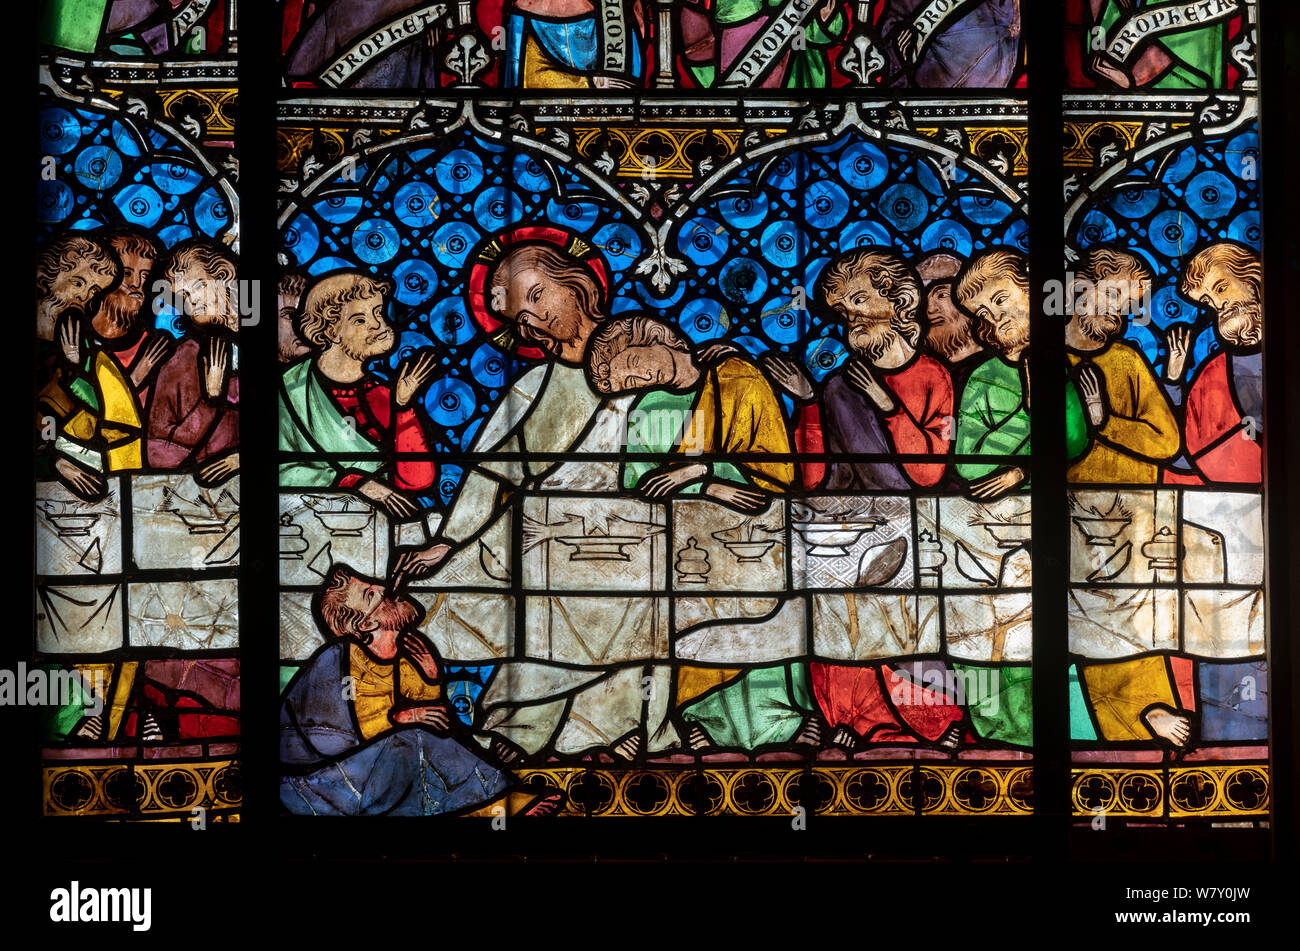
121 307
1235 302
546 312
642 367
378 618
362 331
1002 307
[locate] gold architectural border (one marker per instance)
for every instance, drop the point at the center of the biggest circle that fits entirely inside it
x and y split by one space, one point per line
1239 790
163 788
217 118
857 790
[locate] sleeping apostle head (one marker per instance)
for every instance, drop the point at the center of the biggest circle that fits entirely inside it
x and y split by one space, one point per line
118 314
1228 278
553 300
637 353
342 321
352 606
994 287
71 273
948 330
1109 286
877 295
204 284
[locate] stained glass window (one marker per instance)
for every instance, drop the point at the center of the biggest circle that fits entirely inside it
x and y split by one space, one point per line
644 430
137 458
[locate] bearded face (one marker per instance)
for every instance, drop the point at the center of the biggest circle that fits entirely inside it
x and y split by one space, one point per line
1236 305
119 310
948 330
1100 327
362 609
871 338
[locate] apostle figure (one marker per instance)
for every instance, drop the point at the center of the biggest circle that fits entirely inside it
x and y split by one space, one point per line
1133 427
364 727
82 391
730 411
993 416
333 406
893 400
194 409
1223 406
1134 433
890 398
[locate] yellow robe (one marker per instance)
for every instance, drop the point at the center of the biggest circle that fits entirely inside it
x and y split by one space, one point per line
738 415
374 691
1140 420
1120 692
117 421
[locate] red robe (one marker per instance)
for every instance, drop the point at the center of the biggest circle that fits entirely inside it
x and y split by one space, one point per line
1215 432
370 403
921 423
858 696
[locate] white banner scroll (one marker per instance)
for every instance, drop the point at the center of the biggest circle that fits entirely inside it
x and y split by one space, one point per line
186 17
613 36
395 32
769 45
1151 22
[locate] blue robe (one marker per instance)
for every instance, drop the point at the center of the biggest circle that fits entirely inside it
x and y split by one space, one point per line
330 769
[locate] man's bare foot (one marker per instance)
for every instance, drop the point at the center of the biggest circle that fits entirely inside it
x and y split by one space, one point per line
1166 724
811 734
697 739
628 747
547 804
506 752
845 738
950 739
92 728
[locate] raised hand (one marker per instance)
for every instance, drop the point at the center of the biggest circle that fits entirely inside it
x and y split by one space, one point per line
212 366
417 563
414 645
156 349
1179 340
219 470
990 487
1090 383
666 483
414 375
861 379
388 498
789 376
746 500
70 338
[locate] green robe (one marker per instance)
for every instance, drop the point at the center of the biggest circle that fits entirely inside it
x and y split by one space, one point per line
993 419
310 421
808 67
763 705
1197 52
